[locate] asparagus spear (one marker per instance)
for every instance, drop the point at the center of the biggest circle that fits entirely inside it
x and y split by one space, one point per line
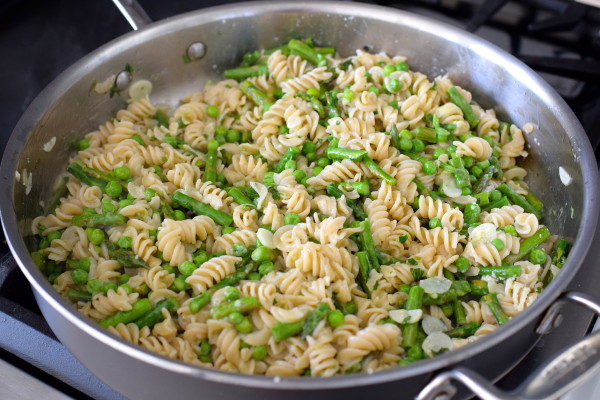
414 302
334 191
503 272
519 200
241 73
95 220
464 331
304 51
258 97
377 171
492 301
291 154
138 309
199 208
529 244
155 316
282 331
243 306
126 258
468 112
313 318
340 153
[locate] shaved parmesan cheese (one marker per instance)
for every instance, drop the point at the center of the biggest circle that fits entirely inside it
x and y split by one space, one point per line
436 285
483 233
266 238
49 145
449 186
565 177
406 316
140 89
437 342
431 324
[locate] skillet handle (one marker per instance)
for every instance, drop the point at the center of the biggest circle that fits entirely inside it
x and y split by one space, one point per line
133 13
553 379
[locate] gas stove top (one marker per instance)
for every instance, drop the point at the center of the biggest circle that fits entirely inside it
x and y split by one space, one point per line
559 39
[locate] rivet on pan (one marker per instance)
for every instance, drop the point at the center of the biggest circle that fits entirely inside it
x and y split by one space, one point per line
557 320
196 50
123 80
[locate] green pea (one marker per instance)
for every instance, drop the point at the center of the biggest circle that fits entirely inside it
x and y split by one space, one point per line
259 352
495 195
510 229
96 236
283 129
153 233
239 249
79 276
309 147
180 283
200 257
124 203
93 286
403 238
108 206
227 230
233 136
44 243
205 358
498 244
127 288
179 215
168 267
291 219
291 164
406 144
122 172
462 264
312 156
254 276
262 253
394 85
124 242
323 162
299 175
220 139
406 134
538 256
348 95
245 326
220 130
231 293
187 268
316 171
83 144
335 318
236 317
109 286
438 152
393 104
212 111
266 267
435 223
123 279
429 168
402 66
204 347
54 235
388 69
373 89
113 189
418 145
246 137
149 194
